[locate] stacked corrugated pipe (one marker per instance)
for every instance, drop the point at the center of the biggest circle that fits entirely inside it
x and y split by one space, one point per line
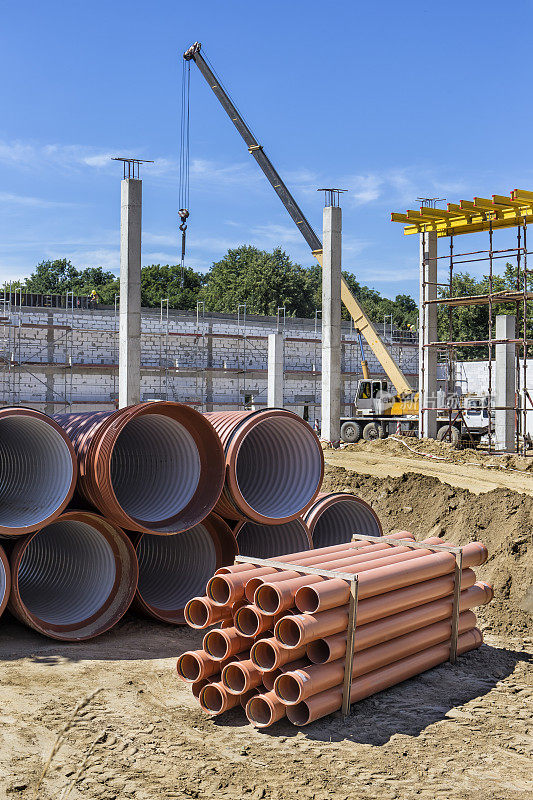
280 650
142 505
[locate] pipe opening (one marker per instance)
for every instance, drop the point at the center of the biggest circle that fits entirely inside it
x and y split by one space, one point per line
35 471
319 651
288 632
258 711
267 598
189 667
234 679
196 613
269 541
338 523
67 573
298 714
247 621
216 645
278 467
3 582
155 468
173 569
212 699
306 600
263 655
287 688
218 590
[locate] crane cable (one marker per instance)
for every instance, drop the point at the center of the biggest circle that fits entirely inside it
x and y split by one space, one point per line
183 195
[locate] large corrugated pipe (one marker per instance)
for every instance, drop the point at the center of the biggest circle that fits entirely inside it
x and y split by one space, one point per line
334 518
174 569
269 541
38 469
274 464
73 579
5 580
154 468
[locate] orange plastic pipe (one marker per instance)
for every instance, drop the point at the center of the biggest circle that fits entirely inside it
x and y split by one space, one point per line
224 588
332 561
241 676
298 685
201 612
269 678
251 621
234 569
330 648
269 654
323 703
331 592
223 643
194 665
215 699
265 709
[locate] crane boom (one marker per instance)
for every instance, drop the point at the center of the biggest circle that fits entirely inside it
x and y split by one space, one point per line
361 321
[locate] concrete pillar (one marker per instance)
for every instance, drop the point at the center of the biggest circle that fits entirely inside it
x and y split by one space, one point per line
129 363
331 324
505 383
427 381
275 370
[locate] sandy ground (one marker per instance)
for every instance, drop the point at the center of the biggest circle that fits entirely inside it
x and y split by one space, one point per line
464 469
109 719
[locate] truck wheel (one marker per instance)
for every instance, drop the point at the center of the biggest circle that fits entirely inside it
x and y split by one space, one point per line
350 432
373 431
443 435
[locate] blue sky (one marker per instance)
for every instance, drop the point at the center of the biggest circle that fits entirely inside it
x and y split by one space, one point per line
388 100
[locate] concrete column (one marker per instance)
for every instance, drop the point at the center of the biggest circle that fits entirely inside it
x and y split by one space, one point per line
427 381
129 363
505 383
331 324
275 370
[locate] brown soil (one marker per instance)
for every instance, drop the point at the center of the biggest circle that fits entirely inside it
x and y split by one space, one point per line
453 733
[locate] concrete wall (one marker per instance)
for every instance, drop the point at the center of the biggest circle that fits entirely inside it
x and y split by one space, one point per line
213 364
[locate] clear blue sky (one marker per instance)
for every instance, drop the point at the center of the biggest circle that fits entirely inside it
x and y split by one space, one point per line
388 100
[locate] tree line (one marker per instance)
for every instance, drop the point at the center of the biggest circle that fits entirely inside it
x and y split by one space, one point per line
266 281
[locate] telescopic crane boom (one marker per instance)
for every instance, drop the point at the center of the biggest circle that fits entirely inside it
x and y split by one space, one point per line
361 321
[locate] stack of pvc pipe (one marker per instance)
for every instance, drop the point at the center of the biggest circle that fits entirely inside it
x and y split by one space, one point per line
280 649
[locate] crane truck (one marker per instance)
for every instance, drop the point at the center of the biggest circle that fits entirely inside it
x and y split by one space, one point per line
377 403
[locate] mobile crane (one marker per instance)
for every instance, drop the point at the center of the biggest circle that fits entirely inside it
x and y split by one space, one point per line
376 404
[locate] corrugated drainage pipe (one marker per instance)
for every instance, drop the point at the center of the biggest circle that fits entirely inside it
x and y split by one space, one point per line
154 468
334 518
174 569
269 541
38 469
5 580
274 464
74 579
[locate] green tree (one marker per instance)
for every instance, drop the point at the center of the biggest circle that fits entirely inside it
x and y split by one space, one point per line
159 282
264 281
52 277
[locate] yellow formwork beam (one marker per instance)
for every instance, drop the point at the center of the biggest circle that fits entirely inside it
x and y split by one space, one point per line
470 216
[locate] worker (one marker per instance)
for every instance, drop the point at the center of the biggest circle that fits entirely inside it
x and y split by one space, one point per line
93 299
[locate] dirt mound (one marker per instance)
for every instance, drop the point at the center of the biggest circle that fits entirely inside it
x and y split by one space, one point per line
409 447
501 519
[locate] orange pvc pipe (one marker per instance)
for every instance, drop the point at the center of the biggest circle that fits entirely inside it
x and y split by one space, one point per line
225 588
243 698
194 665
215 699
330 648
234 569
197 686
269 654
298 685
265 709
251 621
241 676
201 612
332 561
269 678
223 643
332 593
323 703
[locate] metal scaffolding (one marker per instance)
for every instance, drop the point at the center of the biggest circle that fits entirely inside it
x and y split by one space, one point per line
479 215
